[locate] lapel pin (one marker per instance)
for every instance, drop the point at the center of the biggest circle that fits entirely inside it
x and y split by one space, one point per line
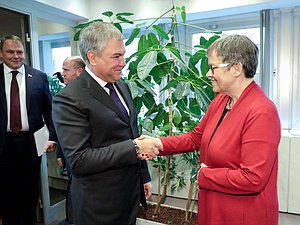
29 75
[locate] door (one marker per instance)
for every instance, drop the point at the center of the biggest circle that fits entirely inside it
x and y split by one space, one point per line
16 23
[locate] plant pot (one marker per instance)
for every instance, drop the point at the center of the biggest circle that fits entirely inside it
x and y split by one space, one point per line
140 221
167 215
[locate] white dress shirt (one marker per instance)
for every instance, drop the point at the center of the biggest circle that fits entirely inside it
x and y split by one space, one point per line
22 91
102 83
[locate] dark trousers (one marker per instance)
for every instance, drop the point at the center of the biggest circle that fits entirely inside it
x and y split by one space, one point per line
19 176
69 207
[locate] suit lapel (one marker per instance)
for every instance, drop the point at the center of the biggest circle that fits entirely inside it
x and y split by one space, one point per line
101 95
127 98
2 89
29 84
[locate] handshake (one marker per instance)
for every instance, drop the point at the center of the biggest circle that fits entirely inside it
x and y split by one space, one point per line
149 147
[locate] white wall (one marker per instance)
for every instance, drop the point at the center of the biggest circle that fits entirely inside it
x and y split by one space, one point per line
146 9
76 7
288 175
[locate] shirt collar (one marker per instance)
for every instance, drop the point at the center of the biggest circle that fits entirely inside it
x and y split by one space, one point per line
7 69
101 82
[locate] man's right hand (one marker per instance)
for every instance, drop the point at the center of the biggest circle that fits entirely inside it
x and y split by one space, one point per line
60 162
149 147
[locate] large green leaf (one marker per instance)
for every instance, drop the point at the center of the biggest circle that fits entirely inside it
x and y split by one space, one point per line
133 88
171 84
176 55
158 72
133 35
108 13
161 32
125 14
83 25
159 117
148 100
146 86
211 40
152 40
176 116
124 20
166 127
194 107
183 89
197 56
202 98
117 25
200 46
147 124
203 41
77 35
138 104
152 110
204 66
143 43
183 14
147 64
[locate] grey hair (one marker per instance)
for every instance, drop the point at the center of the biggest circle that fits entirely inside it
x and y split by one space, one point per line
95 36
236 49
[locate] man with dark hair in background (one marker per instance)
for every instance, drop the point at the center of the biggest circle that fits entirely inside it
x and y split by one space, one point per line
25 106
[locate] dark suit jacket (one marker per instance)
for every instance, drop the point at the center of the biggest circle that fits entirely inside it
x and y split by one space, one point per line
38 102
97 142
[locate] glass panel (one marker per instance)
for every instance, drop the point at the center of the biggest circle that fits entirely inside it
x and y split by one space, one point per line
58 56
54 45
57 176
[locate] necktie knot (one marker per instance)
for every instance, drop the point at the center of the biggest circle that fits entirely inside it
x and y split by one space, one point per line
14 73
110 86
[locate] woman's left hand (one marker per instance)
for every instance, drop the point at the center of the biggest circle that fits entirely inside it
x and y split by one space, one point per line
202 165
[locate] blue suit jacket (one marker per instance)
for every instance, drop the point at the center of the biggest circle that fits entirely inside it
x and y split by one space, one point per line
38 102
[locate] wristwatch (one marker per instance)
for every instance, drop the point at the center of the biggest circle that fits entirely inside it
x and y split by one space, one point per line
137 148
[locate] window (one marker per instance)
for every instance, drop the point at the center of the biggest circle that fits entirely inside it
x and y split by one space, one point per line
54 48
287 68
252 33
59 54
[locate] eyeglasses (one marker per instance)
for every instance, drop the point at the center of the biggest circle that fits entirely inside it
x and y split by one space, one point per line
222 65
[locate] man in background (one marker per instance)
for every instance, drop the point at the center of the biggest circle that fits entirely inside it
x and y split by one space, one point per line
72 67
97 132
25 104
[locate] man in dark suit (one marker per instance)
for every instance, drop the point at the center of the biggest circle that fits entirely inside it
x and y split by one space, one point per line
25 106
72 67
96 122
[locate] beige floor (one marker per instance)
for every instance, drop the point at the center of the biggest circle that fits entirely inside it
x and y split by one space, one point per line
289 219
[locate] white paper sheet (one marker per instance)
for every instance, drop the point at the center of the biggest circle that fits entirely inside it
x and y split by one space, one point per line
41 139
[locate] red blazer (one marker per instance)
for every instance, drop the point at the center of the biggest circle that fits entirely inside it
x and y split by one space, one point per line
239 186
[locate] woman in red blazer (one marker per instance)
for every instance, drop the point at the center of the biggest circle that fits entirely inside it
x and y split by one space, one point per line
238 140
